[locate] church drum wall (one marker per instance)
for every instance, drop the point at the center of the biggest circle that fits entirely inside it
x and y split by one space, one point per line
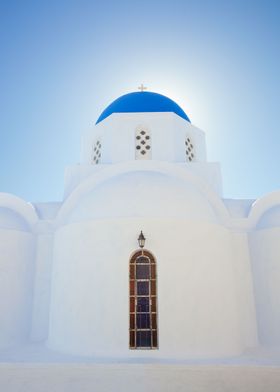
198 311
16 273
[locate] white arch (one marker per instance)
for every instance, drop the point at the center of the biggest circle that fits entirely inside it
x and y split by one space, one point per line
20 206
180 173
262 205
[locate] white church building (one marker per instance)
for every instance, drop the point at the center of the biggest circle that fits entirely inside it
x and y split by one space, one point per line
143 258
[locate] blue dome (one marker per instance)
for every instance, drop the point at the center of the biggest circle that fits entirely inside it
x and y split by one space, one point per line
140 102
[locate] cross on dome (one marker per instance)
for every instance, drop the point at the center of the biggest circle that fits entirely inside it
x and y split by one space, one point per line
142 87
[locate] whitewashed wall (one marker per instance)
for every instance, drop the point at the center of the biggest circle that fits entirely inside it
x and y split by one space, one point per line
42 287
142 193
199 279
265 254
198 310
242 272
16 283
168 134
17 246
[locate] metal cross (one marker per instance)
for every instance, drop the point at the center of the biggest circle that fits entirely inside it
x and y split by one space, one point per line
142 88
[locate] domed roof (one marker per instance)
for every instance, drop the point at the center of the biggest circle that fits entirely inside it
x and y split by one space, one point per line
139 102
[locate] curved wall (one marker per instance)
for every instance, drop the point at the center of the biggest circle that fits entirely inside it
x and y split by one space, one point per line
198 312
143 194
16 273
10 219
265 255
270 219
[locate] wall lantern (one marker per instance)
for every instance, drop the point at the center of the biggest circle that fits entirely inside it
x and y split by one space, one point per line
141 240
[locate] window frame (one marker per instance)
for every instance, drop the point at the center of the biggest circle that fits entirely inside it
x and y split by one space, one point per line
96 152
143 143
152 313
189 149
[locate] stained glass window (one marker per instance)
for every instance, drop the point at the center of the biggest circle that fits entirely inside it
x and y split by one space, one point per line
143 332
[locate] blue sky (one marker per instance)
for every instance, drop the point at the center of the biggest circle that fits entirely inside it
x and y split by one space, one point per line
63 62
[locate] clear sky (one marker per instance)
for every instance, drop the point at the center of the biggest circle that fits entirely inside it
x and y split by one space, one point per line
63 62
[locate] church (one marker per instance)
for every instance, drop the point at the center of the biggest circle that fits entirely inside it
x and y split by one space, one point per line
144 257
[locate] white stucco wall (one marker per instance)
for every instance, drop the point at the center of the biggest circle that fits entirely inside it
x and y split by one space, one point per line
42 287
12 220
178 173
265 251
16 284
270 219
168 133
145 194
208 172
242 272
198 310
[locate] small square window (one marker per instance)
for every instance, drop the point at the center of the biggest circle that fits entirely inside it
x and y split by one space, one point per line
143 320
142 271
143 304
143 339
142 288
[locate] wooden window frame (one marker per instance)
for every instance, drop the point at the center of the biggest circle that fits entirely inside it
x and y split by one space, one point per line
151 314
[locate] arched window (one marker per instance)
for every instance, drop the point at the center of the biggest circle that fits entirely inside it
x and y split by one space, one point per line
143 147
143 301
96 152
189 147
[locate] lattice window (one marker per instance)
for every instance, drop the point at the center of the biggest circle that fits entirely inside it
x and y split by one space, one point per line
96 152
143 147
143 332
189 148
